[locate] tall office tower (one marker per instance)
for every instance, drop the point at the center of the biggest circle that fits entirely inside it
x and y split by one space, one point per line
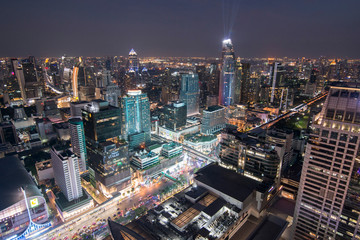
105 78
175 115
101 122
238 81
246 89
311 84
108 64
328 203
214 77
107 90
112 94
203 81
213 120
19 74
227 77
32 86
190 93
8 133
135 117
66 172
169 91
78 145
133 64
276 79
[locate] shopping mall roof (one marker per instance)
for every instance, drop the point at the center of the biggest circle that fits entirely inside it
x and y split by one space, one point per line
227 181
184 218
13 176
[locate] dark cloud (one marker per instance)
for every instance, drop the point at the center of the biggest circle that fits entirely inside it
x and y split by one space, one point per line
179 27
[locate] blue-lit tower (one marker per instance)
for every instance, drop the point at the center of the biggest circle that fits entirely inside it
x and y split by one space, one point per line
135 119
227 77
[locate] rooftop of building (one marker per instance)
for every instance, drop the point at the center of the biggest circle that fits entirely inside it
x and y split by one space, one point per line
130 231
79 103
65 205
271 228
227 181
196 192
14 176
63 151
42 120
214 108
61 125
214 207
171 145
196 138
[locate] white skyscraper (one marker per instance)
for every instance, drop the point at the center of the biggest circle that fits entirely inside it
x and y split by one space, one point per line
66 172
328 203
76 127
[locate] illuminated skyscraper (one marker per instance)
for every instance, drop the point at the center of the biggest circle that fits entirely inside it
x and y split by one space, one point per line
328 203
135 118
227 77
133 61
190 93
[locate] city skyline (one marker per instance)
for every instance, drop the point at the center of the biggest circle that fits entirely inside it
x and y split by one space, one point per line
260 28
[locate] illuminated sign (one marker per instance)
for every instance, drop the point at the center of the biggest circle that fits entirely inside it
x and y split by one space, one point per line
34 202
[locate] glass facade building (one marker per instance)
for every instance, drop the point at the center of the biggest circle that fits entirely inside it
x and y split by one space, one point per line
135 118
101 121
190 93
175 115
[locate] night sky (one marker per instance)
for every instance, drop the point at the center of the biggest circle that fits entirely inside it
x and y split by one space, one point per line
261 28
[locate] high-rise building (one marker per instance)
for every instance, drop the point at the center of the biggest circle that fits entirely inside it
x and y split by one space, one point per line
169 91
8 133
190 93
109 167
133 61
101 122
135 118
279 93
78 144
203 81
214 77
19 74
246 88
227 77
328 203
175 115
213 120
66 172
238 81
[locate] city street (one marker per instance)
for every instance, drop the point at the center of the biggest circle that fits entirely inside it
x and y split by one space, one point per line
111 208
